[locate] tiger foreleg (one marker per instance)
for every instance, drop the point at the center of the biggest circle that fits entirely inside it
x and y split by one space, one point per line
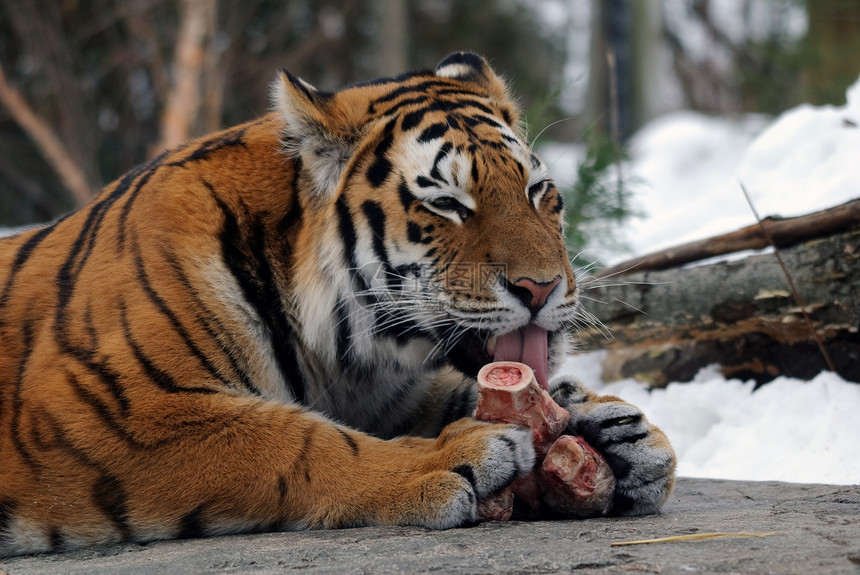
224 464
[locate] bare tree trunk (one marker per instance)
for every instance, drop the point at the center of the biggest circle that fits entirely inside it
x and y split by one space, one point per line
596 96
49 144
391 39
213 74
183 100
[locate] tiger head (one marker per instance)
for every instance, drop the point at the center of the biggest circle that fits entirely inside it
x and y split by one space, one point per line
435 226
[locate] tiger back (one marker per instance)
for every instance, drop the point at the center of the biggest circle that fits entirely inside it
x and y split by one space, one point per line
277 326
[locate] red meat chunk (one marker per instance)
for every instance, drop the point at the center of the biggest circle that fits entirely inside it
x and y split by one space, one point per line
575 480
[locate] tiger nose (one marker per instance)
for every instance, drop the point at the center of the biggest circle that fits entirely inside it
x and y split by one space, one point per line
534 294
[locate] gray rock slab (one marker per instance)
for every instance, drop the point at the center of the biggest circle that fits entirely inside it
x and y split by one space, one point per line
817 531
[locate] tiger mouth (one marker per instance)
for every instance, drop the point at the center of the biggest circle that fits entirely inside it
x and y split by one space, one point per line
528 345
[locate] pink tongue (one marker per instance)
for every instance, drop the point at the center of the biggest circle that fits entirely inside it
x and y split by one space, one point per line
527 345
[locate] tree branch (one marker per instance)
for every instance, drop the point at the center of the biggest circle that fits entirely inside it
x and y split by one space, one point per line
784 231
183 100
49 145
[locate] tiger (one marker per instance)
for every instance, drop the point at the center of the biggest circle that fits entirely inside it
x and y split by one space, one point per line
278 327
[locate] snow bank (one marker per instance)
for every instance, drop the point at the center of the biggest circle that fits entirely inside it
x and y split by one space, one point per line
806 160
683 172
787 430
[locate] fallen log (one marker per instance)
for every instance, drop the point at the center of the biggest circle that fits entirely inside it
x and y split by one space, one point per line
665 325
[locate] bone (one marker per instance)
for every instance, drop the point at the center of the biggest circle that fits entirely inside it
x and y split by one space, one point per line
571 479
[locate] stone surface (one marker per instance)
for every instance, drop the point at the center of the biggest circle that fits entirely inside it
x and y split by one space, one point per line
818 531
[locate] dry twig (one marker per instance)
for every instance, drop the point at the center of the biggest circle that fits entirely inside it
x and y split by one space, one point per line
695 537
791 285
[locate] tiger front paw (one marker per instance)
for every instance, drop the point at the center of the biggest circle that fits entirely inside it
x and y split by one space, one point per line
638 452
471 461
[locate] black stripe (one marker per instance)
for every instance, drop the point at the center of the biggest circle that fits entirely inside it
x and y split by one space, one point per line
343 330
381 167
444 150
230 139
396 80
559 202
282 487
7 514
147 169
425 182
107 417
211 324
391 408
412 119
191 524
459 405
487 121
109 496
466 403
419 88
350 441
466 471
449 413
244 254
421 99
433 132
413 233
406 196
376 219
111 378
56 539
18 404
158 376
21 257
347 232
107 493
459 104
82 247
300 86
301 464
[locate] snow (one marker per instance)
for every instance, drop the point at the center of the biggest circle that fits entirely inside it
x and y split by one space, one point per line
787 430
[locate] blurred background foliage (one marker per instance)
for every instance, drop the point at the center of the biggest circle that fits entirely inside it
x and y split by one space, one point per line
90 88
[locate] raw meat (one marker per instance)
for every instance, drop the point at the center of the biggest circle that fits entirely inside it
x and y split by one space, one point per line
571 479
575 480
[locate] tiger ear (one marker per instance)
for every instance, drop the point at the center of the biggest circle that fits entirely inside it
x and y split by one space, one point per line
316 131
471 68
